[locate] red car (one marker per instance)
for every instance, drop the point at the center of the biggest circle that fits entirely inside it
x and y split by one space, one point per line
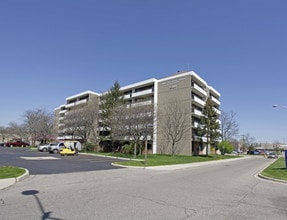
17 144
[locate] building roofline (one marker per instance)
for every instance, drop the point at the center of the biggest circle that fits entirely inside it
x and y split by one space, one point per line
82 93
138 84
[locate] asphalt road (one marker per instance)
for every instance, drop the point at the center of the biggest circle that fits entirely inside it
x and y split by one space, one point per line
45 163
226 190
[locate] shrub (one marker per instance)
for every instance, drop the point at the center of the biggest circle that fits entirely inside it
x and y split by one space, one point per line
90 147
225 147
127 149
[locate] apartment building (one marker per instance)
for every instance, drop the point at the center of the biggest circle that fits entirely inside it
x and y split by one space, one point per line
187 89
83 100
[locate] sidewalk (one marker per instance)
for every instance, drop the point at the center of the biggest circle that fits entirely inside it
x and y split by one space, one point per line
5 183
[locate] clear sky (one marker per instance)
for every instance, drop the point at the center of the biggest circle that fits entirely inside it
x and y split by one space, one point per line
52 49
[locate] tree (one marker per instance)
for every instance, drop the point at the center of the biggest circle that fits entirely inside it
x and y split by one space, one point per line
209 124
39 124
174 123
17 131
247 142
110 101
225 147
133 123
81 122
229 126
3 133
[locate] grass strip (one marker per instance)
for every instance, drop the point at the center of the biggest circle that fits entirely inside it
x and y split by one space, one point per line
276 170
10 172
160 159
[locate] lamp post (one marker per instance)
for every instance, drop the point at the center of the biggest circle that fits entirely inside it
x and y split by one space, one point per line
279 106
282 106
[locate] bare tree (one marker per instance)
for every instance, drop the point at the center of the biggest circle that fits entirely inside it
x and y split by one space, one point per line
17 131
3 133
39 124
133 123
81 123
247 141
229 126
174 122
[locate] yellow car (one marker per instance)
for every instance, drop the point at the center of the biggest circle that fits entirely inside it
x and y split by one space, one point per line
68 151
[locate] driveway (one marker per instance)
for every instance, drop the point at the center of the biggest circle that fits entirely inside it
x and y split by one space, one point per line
46 163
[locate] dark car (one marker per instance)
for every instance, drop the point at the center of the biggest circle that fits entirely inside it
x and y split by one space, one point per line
17 144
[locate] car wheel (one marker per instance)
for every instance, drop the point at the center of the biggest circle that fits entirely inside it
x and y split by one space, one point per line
45 149
55 151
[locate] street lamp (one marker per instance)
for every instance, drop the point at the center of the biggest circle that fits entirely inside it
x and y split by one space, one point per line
282 106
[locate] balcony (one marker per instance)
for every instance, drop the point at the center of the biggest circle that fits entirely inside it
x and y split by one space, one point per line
199 89
63 111
76 103
128 96
142 93
215 100
198 101
197 112
196 125
217 111
149 102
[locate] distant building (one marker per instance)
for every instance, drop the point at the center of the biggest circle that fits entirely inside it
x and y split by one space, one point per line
187 88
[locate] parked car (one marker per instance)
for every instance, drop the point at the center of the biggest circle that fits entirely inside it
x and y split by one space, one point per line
55 148
68 144
45 147
272 156
17 144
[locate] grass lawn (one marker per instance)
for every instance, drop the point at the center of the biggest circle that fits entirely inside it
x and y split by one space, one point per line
10 172
276 170
159 159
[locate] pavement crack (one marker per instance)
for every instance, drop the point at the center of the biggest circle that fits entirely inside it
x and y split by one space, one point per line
189 213
2 202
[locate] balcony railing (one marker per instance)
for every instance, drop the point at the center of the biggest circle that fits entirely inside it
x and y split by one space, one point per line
197 112
198 88
141 93
215 100
198 100
149 102
76 103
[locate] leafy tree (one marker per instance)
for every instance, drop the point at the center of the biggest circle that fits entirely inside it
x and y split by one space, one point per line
209 124
229 126
225 147
110 101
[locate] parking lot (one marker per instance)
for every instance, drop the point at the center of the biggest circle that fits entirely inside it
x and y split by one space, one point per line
46 163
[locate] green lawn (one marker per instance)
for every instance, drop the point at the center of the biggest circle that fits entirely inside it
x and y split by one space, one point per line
159 159
10 172
276 170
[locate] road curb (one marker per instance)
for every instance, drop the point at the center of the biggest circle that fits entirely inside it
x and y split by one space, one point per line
271 179
260 175
5 183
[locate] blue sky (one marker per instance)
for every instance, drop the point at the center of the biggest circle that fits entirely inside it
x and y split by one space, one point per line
50 50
